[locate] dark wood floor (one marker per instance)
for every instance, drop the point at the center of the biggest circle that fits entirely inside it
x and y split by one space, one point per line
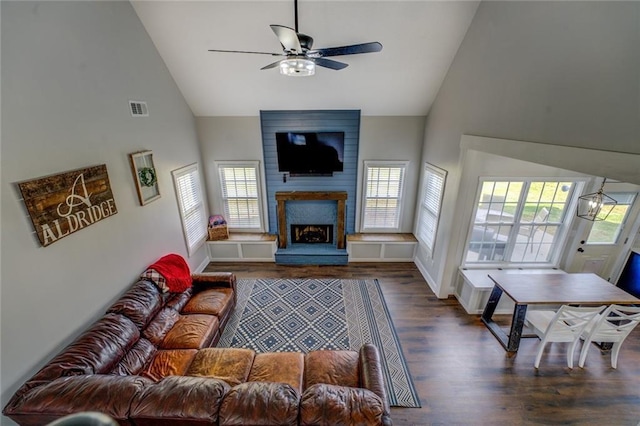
462 374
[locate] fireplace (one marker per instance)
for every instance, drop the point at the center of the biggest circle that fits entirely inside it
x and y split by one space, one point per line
284 231
312 234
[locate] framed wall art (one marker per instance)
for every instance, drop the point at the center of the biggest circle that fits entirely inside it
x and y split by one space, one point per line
145 177
64 203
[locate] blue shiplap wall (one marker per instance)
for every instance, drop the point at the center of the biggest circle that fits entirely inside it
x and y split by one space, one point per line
347 121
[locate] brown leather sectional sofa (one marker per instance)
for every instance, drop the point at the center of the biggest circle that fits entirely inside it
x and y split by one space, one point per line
151 360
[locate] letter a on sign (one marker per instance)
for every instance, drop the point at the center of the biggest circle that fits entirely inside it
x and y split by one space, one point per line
62 204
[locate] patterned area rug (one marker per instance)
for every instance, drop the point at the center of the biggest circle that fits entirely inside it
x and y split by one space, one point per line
276 315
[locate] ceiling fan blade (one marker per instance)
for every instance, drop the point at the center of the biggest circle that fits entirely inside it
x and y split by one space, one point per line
328 63
273 65
346 50
288 38
247 51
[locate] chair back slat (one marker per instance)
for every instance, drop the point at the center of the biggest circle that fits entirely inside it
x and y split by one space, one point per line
574 319
612 326
617 319
567 325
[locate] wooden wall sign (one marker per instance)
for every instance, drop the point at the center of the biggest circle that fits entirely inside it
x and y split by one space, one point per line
62 204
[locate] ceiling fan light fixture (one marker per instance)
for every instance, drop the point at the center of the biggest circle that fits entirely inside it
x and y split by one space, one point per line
300 60
297 67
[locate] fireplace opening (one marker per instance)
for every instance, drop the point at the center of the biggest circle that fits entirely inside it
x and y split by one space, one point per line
311 234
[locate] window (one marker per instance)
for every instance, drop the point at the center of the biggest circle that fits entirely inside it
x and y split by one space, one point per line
607 231
432 191
191 205
519 221
382 195
241 198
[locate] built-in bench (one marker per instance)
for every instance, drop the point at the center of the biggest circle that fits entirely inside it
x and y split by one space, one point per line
474 287
261 247
244 247
381 247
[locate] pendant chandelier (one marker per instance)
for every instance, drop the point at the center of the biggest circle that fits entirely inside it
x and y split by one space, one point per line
596 206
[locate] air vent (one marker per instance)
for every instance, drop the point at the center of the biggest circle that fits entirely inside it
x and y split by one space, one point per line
138 109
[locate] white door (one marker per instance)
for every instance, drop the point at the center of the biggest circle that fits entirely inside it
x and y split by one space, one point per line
600 247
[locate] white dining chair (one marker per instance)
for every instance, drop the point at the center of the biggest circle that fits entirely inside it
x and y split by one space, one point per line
565 325
612 326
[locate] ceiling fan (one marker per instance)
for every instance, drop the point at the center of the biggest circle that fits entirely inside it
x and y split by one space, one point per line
299 57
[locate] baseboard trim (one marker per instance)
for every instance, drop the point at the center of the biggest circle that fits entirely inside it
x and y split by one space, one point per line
426 276
203 265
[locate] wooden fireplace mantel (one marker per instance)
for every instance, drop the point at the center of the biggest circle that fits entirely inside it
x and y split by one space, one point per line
283 197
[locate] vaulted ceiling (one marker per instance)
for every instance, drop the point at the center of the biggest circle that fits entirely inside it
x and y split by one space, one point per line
420 40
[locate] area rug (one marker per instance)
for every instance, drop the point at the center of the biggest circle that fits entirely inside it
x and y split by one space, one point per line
276 315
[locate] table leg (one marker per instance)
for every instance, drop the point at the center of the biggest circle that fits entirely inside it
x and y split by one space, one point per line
512 341
605 346
489 309
492 303
517 324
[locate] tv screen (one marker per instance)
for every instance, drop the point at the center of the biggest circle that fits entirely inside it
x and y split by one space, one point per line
629 280
310 152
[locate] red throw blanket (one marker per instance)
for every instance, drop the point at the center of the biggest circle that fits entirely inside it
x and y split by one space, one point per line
175 271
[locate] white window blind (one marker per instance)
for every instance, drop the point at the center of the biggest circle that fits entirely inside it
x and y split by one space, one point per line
241 195
191 205
382 195
433 189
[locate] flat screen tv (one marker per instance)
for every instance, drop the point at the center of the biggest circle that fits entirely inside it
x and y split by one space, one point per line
319 153
629 280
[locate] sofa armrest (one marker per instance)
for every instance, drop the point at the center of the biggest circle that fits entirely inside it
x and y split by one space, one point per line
206 280
371 376
108 394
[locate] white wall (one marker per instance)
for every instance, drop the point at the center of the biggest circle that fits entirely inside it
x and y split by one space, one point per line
227 139
381 138
563 73
393 138
69 69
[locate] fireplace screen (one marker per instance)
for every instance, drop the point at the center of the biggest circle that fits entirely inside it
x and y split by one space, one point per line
310 234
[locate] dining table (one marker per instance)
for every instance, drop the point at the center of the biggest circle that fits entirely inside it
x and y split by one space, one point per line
546 289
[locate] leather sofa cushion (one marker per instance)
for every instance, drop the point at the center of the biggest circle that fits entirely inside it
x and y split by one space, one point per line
108 394
173 362
191 332
213 301
229 364
140 303
96 351
324 404
136 359
160 325
260 403
332 367
179 399
279 367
